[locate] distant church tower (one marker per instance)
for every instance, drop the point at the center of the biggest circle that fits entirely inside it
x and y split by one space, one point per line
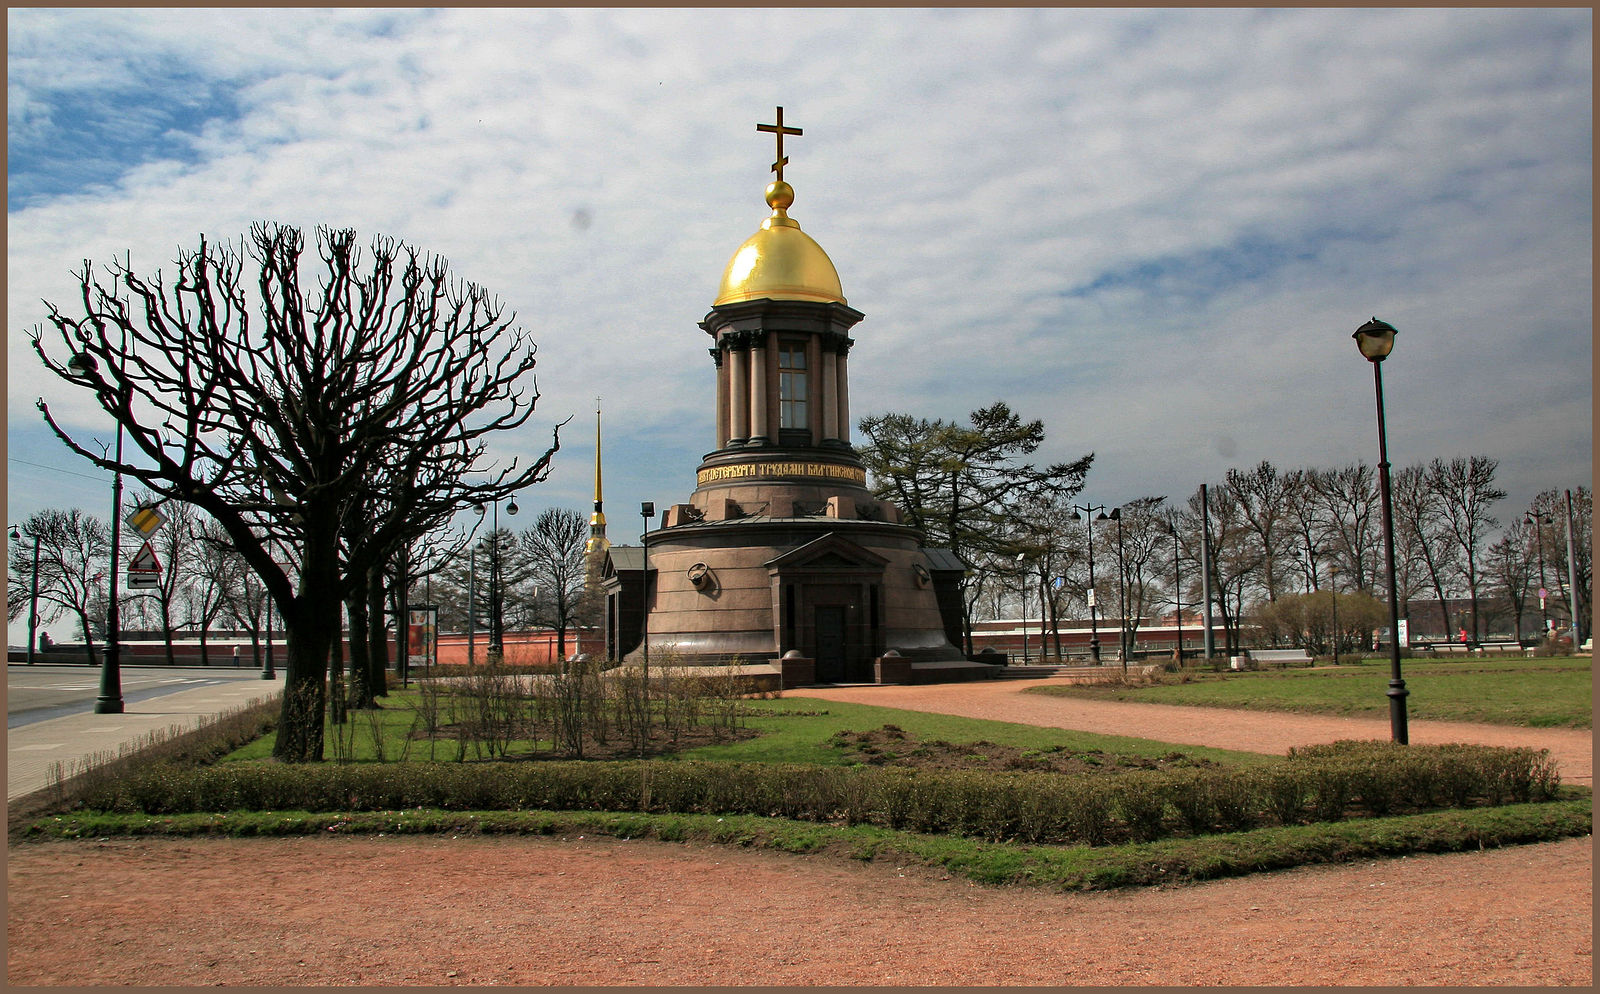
595 548
782 557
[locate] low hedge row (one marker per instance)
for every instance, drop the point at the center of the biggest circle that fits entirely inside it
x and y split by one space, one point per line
1319 784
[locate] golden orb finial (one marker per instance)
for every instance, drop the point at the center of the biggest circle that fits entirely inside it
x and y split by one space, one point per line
779 195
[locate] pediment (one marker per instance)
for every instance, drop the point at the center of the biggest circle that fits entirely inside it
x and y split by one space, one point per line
829 552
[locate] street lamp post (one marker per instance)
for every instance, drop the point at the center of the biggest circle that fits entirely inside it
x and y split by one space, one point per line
33 600
1177 589
1375 339
472 606
1094 628
647 510
110 699
1020 557
1538 521
1122 594
496 598
1333 591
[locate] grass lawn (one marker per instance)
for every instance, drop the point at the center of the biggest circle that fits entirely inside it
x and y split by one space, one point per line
791 731
1538 693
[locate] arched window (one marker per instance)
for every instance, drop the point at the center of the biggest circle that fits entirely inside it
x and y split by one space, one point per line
792 385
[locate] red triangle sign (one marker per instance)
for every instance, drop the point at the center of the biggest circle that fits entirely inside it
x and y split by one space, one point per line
145 561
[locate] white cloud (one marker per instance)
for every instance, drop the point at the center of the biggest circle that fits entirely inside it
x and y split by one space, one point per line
1258 183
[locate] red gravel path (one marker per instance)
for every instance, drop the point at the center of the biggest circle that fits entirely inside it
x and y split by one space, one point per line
393 911
1250 731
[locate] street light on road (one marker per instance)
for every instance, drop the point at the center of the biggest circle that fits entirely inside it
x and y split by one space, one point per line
84 365
33 600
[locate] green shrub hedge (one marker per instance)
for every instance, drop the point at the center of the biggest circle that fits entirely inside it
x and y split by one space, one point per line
1323 783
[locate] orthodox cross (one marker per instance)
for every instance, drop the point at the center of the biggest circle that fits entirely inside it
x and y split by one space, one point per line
779 130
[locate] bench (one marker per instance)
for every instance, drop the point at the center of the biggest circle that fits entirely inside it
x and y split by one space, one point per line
1502 647
1450 649
1278 657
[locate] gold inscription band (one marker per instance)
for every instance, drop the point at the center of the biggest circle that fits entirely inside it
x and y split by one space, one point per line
760 470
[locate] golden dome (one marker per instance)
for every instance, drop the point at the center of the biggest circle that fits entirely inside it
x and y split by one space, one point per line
780 261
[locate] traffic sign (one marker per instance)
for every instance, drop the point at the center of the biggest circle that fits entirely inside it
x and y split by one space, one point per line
144 581
145 519
145 562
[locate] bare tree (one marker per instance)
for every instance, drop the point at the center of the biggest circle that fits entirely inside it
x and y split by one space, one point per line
1232 553
552 554
1466 491
72 549
1348 497
1304 518
1144 557
268 410
1511 567
1420 530
1552 505
1263 497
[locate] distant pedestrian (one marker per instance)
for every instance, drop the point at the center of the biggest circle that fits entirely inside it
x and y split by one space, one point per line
236 655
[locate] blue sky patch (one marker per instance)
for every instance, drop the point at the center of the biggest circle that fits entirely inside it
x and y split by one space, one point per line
71 140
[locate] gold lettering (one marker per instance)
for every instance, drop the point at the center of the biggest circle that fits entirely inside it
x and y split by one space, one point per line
742 471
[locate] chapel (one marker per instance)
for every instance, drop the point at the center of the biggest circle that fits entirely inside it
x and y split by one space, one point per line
781 557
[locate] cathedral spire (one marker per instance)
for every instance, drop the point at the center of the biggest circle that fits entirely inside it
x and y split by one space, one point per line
597 544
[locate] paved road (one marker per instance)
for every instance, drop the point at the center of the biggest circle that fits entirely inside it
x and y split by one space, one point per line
154 699
44 691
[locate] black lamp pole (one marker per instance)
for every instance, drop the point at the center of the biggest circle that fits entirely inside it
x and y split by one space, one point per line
647 510
1122 594
1094 628
110 699
1376 339
33 601
496 621
1177 586
1538 521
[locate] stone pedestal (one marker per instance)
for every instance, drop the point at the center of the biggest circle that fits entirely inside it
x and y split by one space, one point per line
796 670
891 668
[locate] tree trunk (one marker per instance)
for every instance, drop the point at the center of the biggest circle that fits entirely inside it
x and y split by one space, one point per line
310 630
360 648
166 624
377 641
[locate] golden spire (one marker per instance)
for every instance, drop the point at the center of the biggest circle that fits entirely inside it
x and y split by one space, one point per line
597 521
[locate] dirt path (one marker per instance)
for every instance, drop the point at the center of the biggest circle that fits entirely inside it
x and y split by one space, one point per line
528 911
1250 731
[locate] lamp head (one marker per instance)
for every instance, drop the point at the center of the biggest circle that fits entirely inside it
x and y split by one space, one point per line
83 364
1116 514
1375 339
647 508
480 509
17 536
511 508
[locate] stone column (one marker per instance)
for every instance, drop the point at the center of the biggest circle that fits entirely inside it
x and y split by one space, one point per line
760 433
814 388
739 390
722 398
844 394
828 375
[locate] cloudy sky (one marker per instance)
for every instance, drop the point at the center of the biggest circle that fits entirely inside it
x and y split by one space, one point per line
1154 230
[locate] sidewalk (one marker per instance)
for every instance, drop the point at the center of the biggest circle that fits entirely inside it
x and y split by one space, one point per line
32 748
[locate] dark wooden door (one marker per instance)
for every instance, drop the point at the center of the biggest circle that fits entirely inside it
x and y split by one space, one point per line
830 643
